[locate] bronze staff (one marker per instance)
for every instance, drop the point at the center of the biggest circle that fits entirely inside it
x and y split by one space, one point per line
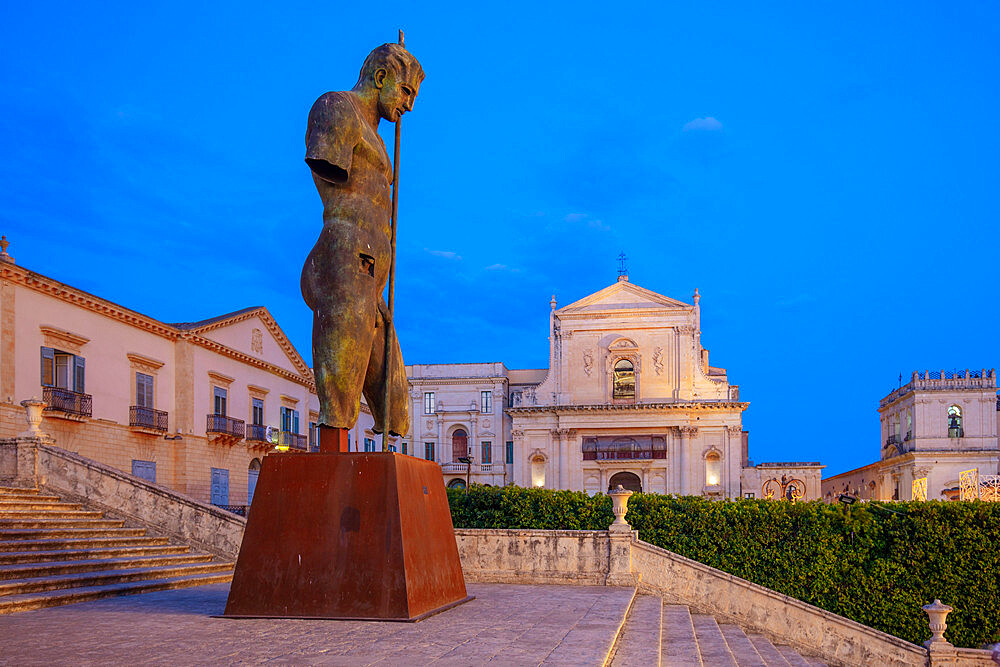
386 398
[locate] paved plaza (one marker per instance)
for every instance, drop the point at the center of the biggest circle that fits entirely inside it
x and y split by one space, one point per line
505 624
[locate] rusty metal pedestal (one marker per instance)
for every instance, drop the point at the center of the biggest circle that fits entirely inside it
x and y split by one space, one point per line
347 536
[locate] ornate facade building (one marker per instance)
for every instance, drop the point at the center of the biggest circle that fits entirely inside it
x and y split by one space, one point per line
629 398
939 434
192 406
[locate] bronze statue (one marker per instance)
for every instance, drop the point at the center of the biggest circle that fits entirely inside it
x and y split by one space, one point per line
354 347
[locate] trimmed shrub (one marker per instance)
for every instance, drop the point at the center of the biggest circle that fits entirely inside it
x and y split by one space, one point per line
875 563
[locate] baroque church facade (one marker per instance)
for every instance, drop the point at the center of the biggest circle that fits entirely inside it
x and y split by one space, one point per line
629 397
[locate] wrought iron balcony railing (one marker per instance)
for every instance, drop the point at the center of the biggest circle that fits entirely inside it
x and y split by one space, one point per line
256 433
70 402
147 418
292 441
892 439
235 509
225 425
602 454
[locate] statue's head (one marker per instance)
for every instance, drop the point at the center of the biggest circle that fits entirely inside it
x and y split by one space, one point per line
396 74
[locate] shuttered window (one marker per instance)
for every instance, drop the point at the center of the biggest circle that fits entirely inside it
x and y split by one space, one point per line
144 390
63 370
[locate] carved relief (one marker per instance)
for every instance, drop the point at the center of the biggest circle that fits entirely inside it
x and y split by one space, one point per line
658 360
588 362
685 330
735 430
517 434
486 423
257 342
430 424
688 431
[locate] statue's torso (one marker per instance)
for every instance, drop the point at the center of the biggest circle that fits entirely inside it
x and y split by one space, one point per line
356 214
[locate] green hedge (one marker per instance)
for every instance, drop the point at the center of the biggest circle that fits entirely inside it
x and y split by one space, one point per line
876 563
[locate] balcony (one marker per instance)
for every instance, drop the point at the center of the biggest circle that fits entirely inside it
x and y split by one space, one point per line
463 468
257 436
293 441
225 429
69 404
624 449
147 420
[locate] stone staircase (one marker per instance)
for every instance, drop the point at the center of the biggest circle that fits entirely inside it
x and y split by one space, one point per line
657 633
54 553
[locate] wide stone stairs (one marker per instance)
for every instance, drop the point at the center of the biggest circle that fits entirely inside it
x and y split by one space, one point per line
658 633
54 553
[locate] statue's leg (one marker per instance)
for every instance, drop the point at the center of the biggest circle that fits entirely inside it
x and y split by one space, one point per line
341 343
399 391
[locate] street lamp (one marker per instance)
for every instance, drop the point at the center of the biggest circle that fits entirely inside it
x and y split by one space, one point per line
467 460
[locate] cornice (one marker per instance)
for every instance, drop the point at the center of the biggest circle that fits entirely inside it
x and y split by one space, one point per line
68 338
54 288
271 325
219 348
434 380
635 407
144 361
220 378
624 312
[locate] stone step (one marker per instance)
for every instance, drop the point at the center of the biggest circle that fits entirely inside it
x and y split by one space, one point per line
678 645
21 557
712 645
27 602
69 533
59 513
109 578
32 505
767 651
79 543
639 642
59 523
28 497
35 569
741 647
792 656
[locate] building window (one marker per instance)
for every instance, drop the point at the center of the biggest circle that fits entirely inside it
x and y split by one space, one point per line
62 370
369 444
143 390
510 451
713 469
538 472
429 451
220 401
289 420
144 470
909 425
404 447
429 406
624 380
257 412
955 422
459 444
486 401
487 452
749 496
313 437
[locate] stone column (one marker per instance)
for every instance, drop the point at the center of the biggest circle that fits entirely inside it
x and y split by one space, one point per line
517 435
439 447
687 434
734 433
561 435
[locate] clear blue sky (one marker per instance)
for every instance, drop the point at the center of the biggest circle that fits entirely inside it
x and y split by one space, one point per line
826 176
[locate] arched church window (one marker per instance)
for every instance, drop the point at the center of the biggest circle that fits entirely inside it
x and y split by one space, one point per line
624 380
955 422
713 469
456 484
909 425
459 444
538 472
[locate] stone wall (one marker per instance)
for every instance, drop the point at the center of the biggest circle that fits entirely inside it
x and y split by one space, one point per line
602 557
27 462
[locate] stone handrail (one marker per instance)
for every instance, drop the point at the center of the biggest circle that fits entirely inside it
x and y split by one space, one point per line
32 462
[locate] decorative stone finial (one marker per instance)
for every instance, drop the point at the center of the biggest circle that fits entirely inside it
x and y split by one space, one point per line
33 413
697 297
3 250
552 303
936 613
620 496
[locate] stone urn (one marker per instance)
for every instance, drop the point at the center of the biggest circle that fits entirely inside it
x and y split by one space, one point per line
620 496
33 413
936 613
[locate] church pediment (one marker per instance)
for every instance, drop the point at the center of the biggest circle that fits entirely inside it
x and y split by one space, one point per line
622 296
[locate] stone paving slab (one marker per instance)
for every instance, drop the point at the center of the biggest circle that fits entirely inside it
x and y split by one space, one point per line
506 624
